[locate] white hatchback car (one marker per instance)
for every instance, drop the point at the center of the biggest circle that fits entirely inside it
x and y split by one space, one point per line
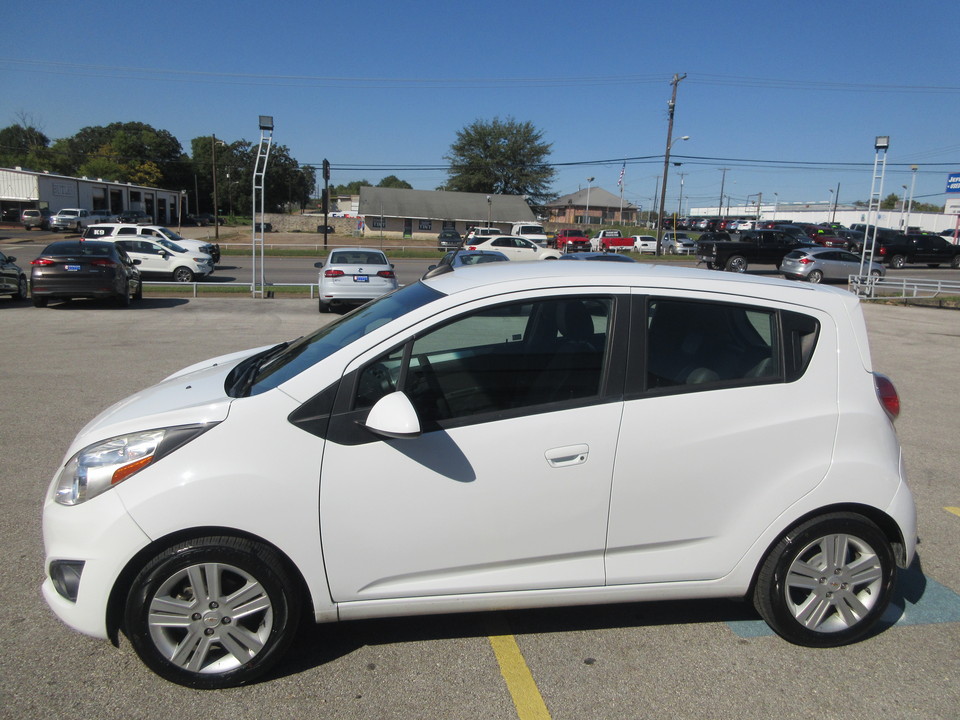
367 470
354 276
513 246
645 243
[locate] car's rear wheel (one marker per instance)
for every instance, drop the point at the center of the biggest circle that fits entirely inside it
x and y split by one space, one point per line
324 307
898 261
955 263
737 263
183 274
40 301
827 581
815 276
212 612
21 292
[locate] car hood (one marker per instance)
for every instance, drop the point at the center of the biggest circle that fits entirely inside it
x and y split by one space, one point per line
191 396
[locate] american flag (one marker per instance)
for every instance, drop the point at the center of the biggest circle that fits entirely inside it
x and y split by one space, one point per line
620 181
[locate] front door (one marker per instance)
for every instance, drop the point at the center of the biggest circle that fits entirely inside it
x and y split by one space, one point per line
507 488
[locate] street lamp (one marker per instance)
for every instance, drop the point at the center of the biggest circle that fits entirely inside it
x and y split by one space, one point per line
776 204
489 210
663 188
913 184
903 205
586 216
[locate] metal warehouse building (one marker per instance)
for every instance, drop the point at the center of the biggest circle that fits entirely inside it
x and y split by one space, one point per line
21 189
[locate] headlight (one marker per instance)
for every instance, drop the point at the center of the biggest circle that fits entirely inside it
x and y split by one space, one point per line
99 467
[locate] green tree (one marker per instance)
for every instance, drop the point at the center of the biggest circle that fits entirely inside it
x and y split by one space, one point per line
22 145
392 181
890 202
350 188
504 157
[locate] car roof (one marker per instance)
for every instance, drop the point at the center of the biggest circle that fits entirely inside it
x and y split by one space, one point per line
547 274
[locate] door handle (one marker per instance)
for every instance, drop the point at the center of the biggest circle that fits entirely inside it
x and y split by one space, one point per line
567 456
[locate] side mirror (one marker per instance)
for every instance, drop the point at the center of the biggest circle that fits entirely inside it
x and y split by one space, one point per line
11 258
393 416
137 261
318 264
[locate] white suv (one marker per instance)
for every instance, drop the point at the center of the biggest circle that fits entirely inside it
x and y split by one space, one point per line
102 231
686 435
161 258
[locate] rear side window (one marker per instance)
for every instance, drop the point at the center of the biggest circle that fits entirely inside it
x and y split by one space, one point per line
701 344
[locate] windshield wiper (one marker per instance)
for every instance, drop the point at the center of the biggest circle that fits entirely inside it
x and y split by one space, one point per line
243 376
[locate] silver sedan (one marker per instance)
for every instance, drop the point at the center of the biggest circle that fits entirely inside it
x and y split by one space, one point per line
816 264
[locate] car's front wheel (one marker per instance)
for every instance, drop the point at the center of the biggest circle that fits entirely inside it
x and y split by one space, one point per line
212 612
827 581
183 274
21 292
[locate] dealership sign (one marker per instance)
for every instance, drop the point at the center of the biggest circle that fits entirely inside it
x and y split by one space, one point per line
953 182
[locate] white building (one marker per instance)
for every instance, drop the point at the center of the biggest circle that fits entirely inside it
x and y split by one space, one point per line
21 189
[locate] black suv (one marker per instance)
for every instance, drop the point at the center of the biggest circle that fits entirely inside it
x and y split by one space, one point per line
448 239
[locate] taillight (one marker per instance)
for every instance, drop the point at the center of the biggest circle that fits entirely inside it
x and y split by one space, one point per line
333 273
42 261
887 394
806 260
386 274
103 262
472 247
882 250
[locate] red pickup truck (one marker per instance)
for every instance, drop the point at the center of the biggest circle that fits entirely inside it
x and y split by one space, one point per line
572 240
610 241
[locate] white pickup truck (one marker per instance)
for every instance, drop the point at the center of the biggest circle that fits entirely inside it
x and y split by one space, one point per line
75 219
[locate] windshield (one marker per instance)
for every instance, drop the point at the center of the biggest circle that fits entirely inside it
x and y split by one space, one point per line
311 349
170 234
171 245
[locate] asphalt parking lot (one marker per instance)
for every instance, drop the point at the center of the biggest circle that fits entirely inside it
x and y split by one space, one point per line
657 660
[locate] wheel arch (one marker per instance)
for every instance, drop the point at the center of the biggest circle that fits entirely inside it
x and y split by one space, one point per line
121 588
882 520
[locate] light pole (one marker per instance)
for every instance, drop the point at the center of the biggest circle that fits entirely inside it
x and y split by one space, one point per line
489 210
680 199
776 204
913 184
586 215
216 209
903 205
833 199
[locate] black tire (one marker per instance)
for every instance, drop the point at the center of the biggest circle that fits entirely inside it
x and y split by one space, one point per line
875 273
324 307
204 645
183 274
123 299
737 263
815 276
955 263
138 293
898 261
40 301
810 599
21 292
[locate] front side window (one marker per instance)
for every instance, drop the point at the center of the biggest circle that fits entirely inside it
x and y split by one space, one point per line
501 359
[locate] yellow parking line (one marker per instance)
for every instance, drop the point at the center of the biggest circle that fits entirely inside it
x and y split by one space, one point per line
526 697
954 510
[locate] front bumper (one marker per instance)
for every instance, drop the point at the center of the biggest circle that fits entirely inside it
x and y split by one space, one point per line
99 534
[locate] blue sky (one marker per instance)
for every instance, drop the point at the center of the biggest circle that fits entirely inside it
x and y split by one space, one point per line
803 88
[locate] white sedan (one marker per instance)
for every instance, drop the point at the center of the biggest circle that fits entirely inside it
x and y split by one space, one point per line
514 247
645 243
354 276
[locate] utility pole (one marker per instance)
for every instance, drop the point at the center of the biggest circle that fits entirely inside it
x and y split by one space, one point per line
671 108
216 210
723 180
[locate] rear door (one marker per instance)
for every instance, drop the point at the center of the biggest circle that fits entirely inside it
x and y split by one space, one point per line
722 430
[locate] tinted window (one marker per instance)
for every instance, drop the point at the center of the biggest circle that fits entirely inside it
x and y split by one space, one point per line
695 345
496 360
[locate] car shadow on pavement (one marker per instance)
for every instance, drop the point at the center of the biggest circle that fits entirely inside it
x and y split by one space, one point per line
144 304
916 599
